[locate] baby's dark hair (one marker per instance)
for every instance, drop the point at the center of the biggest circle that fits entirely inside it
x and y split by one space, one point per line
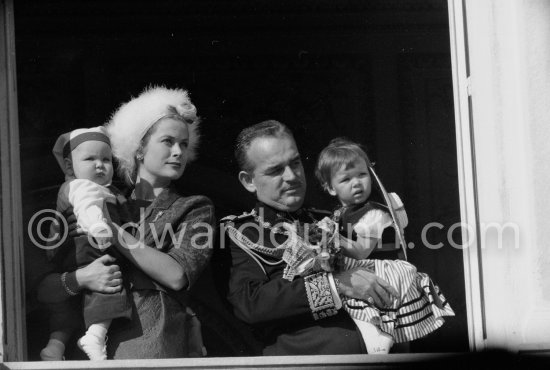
339 152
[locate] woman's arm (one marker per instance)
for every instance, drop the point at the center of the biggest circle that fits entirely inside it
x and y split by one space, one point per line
178 268
99 276
158 265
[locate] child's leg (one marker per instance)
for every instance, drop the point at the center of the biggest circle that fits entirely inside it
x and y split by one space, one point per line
99 310
377 341
55 348
99 329
93 342
64 320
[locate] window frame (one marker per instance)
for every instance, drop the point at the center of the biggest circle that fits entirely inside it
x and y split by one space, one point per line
12 298
467 178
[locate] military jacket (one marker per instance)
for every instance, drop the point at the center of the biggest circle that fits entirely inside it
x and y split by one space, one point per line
297 317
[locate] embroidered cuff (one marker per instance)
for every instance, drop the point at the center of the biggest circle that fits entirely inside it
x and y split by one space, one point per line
320 297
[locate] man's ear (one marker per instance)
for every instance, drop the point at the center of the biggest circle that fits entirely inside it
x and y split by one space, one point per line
69 167
246 180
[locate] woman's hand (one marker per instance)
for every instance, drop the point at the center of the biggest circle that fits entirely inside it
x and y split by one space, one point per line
100 276
362 284
194 343
71 223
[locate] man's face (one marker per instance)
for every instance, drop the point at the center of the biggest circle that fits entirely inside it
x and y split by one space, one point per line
278 176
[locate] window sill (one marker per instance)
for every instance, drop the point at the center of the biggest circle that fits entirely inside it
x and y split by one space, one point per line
274 362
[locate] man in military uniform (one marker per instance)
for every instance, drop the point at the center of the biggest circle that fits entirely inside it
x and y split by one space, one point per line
299 316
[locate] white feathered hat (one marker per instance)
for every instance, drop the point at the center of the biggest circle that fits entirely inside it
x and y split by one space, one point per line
129 124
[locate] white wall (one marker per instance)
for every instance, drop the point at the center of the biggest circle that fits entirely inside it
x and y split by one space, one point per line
509 50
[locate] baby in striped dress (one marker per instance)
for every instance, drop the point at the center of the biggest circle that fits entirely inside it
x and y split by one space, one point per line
344 171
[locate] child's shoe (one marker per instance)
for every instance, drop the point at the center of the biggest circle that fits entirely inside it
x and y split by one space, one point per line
53 351
93 346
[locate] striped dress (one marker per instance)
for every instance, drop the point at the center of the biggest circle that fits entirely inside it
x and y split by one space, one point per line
420 307
418 311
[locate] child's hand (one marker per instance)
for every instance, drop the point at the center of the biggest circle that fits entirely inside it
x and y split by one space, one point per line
103 242
102 234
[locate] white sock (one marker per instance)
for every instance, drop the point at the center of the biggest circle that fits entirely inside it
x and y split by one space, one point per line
99 329
376 341
93 342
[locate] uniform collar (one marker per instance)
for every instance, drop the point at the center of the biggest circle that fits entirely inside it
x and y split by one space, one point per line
274 216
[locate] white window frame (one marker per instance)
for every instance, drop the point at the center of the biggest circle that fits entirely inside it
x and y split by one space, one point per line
467 175
12 313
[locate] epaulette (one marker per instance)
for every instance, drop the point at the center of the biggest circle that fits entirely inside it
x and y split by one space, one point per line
318 211
234 219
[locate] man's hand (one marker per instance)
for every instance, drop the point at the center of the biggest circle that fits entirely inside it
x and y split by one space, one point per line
362 284
100 276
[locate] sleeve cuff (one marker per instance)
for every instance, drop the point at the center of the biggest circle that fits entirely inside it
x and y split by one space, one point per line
320 296
69 283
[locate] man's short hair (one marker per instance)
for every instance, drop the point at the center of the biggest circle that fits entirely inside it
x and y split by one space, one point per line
269 128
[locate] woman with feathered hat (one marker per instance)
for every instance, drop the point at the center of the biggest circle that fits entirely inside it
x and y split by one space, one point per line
153 137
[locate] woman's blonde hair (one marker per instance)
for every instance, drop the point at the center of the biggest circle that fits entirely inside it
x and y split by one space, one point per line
129 125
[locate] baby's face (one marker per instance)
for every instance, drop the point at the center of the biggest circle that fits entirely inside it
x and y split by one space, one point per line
352 184
92 160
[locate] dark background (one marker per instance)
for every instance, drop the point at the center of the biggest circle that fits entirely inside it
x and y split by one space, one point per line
377 71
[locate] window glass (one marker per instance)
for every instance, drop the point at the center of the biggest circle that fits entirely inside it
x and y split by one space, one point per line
377 72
